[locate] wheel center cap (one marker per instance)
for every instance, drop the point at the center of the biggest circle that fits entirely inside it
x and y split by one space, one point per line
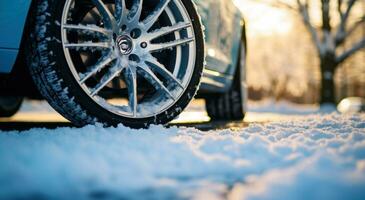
125 44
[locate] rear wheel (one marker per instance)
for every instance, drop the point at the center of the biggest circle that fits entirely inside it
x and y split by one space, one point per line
118 61
232 104
9 106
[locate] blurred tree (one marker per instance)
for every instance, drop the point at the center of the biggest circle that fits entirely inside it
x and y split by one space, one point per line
329 39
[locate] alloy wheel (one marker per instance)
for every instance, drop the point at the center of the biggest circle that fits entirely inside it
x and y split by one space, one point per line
144 50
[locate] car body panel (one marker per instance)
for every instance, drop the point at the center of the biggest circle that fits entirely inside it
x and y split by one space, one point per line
7 59
223 32
13 15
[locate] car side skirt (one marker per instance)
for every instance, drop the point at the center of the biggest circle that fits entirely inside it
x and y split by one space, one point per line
216 82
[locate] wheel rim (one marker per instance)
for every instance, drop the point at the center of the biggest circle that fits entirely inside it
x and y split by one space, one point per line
148 49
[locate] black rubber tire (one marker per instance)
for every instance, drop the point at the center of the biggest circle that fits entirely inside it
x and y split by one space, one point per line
9 106
56 83
232 104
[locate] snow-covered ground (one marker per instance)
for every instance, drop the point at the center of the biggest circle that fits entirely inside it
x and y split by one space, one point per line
316 157
269 110
287 108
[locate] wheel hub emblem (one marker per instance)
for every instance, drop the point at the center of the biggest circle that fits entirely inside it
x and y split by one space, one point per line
125 44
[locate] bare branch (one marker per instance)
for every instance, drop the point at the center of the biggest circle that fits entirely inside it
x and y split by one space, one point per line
356 25
346 15
346 54
303 9
339 8
326 18
341 32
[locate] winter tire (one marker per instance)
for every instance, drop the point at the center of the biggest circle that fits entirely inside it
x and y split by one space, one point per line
117 61
9 106
232 104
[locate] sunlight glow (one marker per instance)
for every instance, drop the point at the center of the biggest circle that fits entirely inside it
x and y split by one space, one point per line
263 19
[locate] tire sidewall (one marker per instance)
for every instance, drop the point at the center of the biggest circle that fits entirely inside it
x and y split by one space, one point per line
9 106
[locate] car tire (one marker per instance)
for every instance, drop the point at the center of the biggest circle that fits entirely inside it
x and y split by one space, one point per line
58 82
9 106
231 105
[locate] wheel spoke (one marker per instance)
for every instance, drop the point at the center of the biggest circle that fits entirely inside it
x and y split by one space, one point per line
87 45
105 13
152 18
169 45
109 76
121 11
88 28
130 75
161 69
153 79
97 67
169 29
135 12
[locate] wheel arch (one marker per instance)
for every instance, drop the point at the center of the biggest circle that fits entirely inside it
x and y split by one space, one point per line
243 39
236 62
244 33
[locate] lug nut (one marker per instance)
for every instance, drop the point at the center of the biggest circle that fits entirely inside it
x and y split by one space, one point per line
144 44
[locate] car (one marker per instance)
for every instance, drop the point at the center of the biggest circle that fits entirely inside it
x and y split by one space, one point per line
133 62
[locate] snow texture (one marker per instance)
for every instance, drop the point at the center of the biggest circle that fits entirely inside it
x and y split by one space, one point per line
322 157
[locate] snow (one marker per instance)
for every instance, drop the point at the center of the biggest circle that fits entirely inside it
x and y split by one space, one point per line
321 157
289 108
269 110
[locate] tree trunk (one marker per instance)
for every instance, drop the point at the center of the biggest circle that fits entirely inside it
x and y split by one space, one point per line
328 67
